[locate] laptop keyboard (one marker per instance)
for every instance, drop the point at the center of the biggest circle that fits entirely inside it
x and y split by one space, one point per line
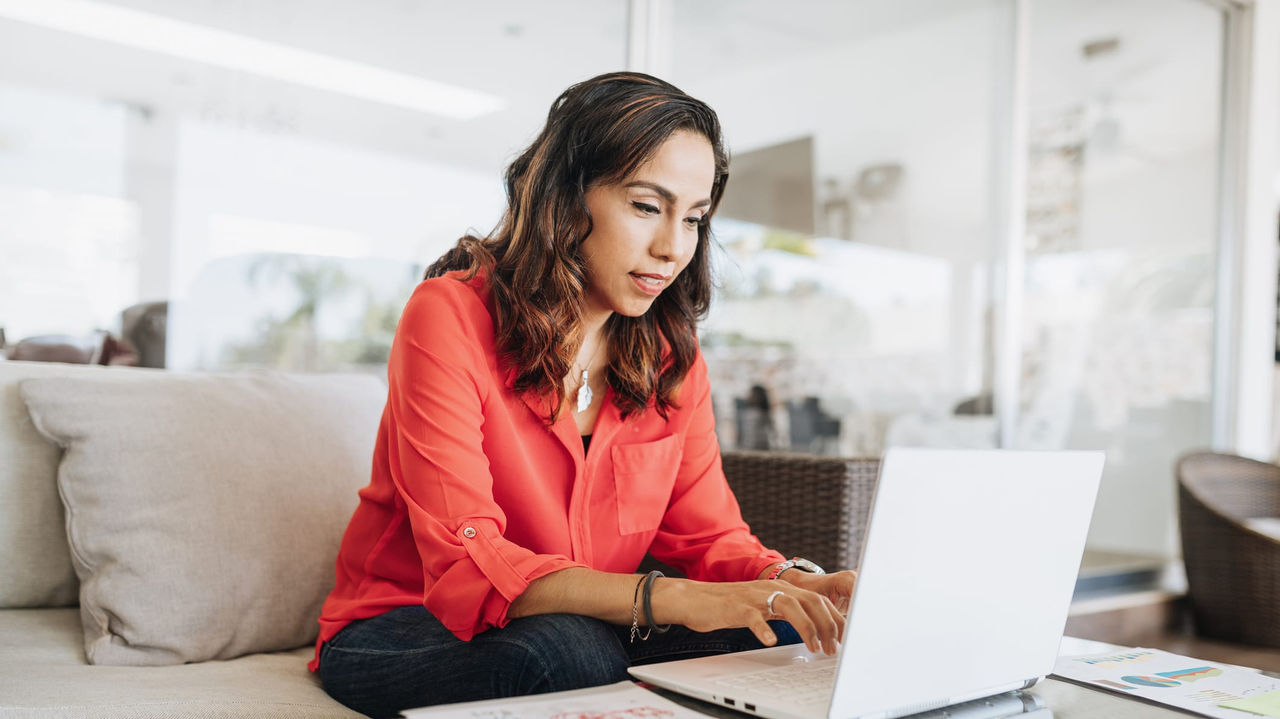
802 683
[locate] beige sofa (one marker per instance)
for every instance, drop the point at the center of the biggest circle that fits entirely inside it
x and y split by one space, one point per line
166 540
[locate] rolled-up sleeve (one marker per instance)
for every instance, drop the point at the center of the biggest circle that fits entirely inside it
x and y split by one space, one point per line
438 382
703 533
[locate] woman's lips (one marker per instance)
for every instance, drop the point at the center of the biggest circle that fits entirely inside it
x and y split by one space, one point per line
649 284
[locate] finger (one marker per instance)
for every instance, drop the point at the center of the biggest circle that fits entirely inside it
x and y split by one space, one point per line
848 581
763 632
847 599
840 589
838 617
832 589
789 608
822 612
827 618
839 584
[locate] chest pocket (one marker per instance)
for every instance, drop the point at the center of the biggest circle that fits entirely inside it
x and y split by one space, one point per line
643 476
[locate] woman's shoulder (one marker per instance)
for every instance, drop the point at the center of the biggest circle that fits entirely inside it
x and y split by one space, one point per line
450 289
450 301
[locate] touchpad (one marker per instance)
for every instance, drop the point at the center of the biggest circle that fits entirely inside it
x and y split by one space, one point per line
790 656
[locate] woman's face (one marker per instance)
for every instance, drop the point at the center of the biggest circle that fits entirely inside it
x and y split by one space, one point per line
645 228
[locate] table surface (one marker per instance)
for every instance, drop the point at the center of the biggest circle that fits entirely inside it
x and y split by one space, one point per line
1064 699
1072 701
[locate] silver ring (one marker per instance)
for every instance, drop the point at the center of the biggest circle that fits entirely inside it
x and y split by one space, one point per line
769 603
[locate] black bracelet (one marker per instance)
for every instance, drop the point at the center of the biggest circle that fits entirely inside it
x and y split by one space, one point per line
648 609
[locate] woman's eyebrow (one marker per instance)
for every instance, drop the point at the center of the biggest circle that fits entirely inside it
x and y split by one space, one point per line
666 194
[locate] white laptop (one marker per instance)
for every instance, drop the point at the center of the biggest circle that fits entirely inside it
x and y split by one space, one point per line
967 572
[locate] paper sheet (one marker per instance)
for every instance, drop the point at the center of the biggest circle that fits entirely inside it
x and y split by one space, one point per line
1191 684
623 700
1267 705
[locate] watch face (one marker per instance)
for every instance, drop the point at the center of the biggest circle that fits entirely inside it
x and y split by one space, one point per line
800 563
807 566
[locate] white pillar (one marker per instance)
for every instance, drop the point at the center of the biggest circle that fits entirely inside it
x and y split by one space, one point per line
1244 361
1011 218
649 37
151 142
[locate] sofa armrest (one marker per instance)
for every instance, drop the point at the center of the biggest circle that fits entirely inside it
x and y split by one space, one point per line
802 505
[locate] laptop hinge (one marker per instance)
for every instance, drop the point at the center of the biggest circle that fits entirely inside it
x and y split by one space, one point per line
916 709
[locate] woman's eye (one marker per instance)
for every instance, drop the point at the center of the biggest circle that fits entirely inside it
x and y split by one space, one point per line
646 208
693 221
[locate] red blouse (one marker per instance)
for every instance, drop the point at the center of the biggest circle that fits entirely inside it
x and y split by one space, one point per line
472 496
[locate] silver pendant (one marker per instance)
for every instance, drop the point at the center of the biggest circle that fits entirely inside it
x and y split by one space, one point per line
584 393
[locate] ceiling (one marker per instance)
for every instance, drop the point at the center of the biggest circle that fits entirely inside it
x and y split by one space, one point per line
526 53
523 52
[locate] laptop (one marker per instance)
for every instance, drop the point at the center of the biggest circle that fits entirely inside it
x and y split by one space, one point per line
966 576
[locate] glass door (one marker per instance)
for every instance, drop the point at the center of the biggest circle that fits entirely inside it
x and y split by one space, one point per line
1117 333
854 309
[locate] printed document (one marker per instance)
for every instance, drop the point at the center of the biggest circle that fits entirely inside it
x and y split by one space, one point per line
1152 675
623 700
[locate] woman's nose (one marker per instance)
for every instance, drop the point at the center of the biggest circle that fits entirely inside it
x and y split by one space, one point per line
670 243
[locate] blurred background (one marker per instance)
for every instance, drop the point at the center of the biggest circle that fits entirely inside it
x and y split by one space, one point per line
955 223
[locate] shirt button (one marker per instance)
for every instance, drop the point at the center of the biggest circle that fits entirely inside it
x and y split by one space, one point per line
469 532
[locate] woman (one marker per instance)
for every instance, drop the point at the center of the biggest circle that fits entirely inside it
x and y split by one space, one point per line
548 422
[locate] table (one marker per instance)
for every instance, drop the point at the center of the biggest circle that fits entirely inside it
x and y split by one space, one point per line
1064 699
1072 701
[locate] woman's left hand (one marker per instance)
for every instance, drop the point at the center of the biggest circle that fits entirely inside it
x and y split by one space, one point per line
837 586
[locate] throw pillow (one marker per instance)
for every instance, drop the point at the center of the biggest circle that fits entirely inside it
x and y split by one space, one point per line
204 512
35 562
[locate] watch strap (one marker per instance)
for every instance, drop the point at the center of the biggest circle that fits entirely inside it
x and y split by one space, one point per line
800 563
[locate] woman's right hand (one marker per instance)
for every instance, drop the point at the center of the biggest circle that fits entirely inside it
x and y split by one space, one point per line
705 606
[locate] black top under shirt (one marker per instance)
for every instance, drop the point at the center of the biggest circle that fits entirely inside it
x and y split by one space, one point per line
586 443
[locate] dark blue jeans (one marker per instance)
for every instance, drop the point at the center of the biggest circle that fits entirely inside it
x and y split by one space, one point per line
406 658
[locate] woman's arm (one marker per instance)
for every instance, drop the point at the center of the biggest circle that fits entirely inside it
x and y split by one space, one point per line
700 606
437 467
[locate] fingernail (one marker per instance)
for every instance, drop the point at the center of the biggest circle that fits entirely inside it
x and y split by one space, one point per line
769 638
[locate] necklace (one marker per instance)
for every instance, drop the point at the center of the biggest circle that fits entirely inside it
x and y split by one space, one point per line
584 395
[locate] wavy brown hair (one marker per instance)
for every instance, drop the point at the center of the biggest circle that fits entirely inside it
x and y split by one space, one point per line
598 131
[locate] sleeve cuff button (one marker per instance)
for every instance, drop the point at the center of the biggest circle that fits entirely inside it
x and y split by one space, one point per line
469 532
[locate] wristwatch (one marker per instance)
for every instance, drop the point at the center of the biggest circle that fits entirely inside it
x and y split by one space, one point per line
800 563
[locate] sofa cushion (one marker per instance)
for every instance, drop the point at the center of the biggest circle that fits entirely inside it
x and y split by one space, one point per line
43 675
35 562
204 512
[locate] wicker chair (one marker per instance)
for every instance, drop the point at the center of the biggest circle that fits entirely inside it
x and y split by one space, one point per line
801 505
1233 571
